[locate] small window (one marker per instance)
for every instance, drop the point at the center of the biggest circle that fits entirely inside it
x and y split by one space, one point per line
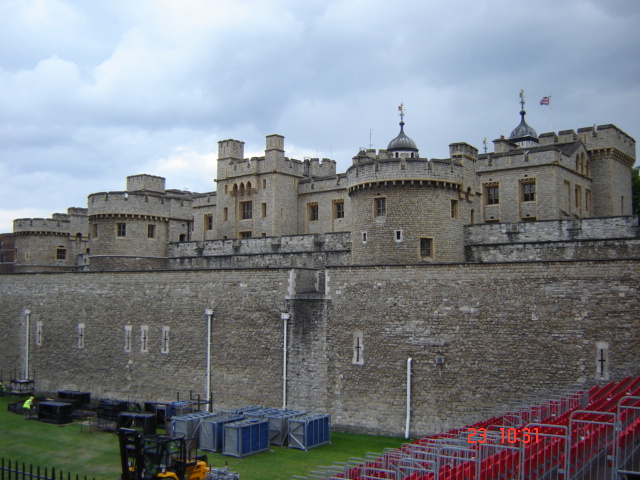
165 340
578 195
81 335
144 338
264 183
247 210
151 231
127 338
529 192
338 210
602 361
364 237
245 234
454 208
38 334
225 214
61 253
263 210
380 204
226 189
121 229
313 212
492 195
208 222
95 230
588 201
182 237
397 235
358 348
426 248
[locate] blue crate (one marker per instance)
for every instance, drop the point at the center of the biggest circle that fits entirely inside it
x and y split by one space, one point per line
212 431
246 437
310 430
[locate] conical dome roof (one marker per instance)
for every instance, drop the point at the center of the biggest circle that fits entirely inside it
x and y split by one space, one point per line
402 142
523 130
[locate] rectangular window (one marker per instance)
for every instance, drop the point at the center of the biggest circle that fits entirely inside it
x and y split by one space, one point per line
225 214
121 229
38 334
578 194
127 338
313 211
144 338
245 234
61 254
247 210
398 235
95 230
364 237
165 340
588 200
263 210
208 222
528 191
426 247
151 231
602 361
454 208
492 194
338 211
380 205
358 348
264 183
81 335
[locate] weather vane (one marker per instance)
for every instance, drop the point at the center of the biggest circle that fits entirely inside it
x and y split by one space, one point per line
401 110
485 144
522 100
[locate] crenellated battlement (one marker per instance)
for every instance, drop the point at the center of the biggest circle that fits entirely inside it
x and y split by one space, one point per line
367 169
136 203
314 167
72 222
59 224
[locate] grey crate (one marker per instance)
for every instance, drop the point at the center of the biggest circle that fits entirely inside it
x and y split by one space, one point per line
188 425
246 437
212 431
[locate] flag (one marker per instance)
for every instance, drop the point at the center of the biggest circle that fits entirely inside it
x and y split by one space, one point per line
545 101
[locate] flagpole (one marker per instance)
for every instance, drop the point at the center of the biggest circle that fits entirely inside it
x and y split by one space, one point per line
551 114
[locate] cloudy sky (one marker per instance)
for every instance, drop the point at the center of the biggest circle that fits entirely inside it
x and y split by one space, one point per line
93 91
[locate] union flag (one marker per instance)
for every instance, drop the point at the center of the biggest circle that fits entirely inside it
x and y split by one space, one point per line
545 101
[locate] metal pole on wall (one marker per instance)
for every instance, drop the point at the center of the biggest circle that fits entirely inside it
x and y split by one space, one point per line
209 313
27 314
284 317
408 421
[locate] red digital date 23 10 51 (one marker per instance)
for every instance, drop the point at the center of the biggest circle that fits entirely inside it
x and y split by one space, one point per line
509 434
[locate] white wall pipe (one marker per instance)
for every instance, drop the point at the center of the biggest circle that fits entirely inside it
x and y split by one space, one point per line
209 313
408 422
284 317
27 314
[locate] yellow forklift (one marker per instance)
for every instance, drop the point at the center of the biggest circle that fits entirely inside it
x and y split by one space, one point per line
157 457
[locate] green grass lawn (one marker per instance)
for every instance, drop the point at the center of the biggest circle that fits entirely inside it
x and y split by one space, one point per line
73 449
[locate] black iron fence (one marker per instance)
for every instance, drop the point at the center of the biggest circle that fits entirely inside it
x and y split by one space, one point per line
15 471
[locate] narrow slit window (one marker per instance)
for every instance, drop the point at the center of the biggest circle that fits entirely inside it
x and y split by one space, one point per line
144 338
127 338
358 348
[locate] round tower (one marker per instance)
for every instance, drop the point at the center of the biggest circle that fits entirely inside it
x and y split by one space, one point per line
408 209
137 222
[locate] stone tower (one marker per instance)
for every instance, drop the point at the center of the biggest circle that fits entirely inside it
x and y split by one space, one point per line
409 209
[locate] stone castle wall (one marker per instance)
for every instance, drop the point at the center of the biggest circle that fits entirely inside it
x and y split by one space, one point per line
504 331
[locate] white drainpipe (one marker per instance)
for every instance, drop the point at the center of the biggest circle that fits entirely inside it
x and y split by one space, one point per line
284 317
27 314
408 423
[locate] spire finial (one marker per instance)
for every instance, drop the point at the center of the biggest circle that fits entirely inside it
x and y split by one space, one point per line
401 110
522 100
